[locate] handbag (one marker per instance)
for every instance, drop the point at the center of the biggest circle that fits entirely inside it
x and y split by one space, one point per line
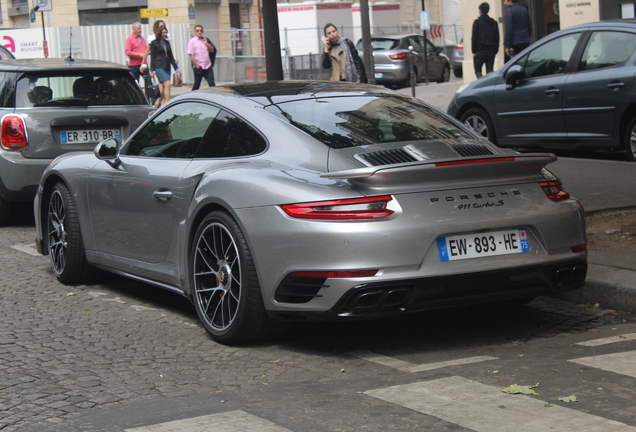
153 90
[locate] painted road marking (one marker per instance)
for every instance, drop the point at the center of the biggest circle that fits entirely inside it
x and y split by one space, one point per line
609 340
484 408
410 367
232 421
622 363
28 249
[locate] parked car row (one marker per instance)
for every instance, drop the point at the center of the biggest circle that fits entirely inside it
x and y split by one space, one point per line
573 89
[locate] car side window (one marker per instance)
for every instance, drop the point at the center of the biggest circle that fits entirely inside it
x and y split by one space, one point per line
230 136
415 43
550 58
607 49
176 132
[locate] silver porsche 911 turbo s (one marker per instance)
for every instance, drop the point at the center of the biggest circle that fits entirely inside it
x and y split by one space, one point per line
282 201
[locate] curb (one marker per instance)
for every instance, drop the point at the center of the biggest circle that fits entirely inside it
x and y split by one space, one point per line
613 287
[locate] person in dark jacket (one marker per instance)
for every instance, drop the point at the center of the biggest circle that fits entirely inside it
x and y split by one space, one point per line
485 41
341 56
518 29
161 59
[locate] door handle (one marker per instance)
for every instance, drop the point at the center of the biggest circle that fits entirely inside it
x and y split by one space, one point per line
615 86
162 195
551 92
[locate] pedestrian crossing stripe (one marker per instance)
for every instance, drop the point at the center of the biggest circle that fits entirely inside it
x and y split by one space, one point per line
410 367
231 421
623 363
609 340
485 408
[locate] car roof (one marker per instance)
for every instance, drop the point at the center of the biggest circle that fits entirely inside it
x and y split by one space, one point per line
48 64
618 23
270 92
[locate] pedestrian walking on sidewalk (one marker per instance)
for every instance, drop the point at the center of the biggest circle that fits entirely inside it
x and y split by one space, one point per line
202 54
161 59
136 50
485 41
518 29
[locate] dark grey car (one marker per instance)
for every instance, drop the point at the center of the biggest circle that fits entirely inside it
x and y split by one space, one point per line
51 106
391 59
572 89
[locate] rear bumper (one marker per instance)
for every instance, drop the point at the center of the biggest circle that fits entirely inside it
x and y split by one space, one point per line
381 299
19 177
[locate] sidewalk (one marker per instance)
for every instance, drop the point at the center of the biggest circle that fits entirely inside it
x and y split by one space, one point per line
611 277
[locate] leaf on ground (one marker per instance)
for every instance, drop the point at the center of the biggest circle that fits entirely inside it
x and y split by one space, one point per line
548 405
70 294
521 389
570 398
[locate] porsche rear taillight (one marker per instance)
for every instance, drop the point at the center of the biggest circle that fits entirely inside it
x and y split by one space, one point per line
554 190
13 134
345 209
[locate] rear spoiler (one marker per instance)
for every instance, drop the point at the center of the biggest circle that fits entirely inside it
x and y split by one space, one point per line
455 172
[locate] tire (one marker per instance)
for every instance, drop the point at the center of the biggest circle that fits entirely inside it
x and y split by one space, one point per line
445 75
458 72
478 120
66 247
4 212
630 140
227 295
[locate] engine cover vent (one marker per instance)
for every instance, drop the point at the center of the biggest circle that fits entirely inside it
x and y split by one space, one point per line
467 150
387 157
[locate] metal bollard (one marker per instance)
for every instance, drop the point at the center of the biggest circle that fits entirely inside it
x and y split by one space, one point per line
412 76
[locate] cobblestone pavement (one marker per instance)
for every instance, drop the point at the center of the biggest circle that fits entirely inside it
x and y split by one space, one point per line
118 353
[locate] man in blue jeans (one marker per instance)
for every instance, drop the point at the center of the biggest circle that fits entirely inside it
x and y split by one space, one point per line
202 53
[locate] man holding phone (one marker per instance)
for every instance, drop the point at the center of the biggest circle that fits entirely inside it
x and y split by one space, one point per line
202 53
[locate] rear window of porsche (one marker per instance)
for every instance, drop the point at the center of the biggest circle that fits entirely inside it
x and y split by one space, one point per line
342 122
78 89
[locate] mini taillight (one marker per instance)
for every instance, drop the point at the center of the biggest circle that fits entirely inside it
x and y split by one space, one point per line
554 190
459 47
335 274
580 248
345 209
13 133
400 56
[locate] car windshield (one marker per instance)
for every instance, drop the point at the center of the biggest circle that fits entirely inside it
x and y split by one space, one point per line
342 122
92 88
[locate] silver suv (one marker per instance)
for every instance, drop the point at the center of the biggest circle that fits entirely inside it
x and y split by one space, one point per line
52 106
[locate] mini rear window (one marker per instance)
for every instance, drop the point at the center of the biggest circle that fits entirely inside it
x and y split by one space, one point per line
88 89
342 122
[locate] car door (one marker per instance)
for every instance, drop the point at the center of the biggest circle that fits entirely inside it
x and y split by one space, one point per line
132 205
598 91
532 109
435 61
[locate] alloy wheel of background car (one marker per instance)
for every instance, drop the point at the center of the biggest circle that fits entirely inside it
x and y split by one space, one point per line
227 294
66 248
478 120
630 140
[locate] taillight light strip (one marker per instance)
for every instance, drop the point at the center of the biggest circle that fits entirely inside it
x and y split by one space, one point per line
344 209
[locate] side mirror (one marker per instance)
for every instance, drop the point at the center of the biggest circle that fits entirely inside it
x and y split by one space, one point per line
108 150
513 75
